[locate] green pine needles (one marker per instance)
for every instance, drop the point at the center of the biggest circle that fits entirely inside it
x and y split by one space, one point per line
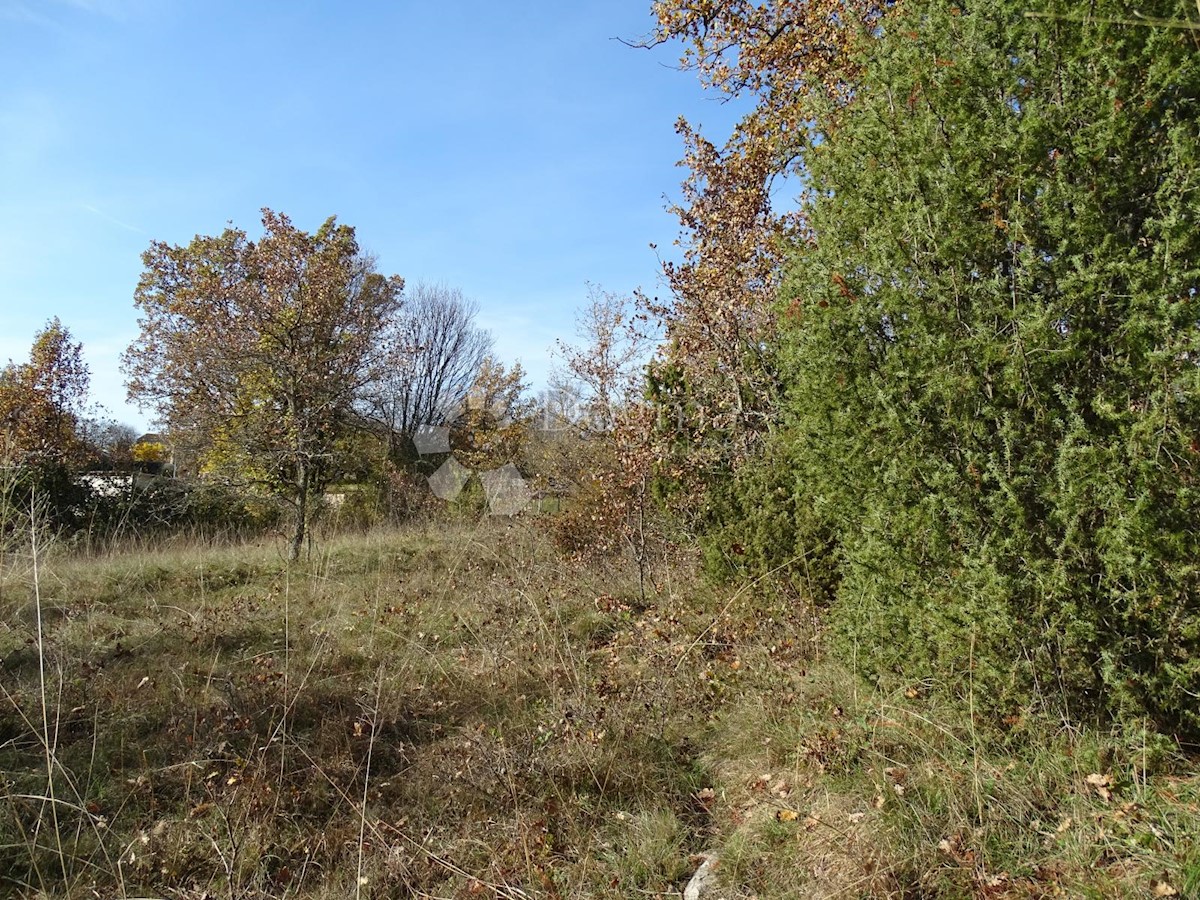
991 350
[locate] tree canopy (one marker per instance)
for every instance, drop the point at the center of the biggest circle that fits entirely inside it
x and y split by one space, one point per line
986 357
41 401
260 349
42 406
436 350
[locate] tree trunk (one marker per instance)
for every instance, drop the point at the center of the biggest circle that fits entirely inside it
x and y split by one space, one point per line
301 516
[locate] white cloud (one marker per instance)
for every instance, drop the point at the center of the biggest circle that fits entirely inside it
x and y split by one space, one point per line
107 218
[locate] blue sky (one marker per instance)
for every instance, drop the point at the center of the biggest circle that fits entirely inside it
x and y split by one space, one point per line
514 150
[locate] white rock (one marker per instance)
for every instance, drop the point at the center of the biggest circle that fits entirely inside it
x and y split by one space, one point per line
704 882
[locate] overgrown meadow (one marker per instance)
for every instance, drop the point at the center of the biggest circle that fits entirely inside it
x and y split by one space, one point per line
861 565
457 709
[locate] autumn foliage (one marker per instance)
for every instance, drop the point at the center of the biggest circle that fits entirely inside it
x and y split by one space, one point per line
41 401
788 56
259 349
42 406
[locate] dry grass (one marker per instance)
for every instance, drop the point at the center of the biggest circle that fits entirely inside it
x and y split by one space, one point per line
457 711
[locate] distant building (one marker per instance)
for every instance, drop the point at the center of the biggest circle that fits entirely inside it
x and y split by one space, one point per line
108 484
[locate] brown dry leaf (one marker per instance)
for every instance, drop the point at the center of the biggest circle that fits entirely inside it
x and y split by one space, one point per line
1163 889
1101 784
956 848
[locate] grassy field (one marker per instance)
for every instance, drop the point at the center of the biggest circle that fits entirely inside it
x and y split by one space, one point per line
456 710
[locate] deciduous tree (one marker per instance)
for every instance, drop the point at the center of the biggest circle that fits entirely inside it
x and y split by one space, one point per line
42 400
262 348
608 364
496 415
436 353
110 443
787 57
42 405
